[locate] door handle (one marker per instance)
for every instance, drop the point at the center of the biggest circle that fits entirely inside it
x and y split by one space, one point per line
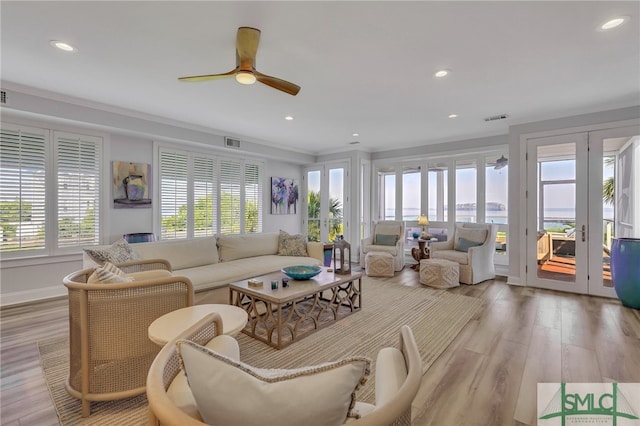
584 231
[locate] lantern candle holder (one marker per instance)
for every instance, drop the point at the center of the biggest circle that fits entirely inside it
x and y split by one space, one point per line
341 256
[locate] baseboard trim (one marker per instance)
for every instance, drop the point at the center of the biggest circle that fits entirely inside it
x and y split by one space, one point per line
29 296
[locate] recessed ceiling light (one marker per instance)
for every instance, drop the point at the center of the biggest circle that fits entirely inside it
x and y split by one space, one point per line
63 46
355 134
613 23
453 115
442 73
288 118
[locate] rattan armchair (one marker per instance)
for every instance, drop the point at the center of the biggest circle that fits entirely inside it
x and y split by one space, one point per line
398 378
110 352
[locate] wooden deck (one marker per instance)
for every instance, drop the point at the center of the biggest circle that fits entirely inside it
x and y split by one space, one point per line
563 268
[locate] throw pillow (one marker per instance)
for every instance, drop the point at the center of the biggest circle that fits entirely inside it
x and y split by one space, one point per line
230 392
292 245
119 252
108 274
464 244
386 240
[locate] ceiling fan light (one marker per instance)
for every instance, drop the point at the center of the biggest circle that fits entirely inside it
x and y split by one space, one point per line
245 77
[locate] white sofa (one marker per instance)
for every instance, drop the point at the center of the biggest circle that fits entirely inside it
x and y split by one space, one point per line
214 262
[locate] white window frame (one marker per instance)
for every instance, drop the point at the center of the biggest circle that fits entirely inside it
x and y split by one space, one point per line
51 134
217 161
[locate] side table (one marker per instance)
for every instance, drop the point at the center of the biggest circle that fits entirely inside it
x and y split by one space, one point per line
168 326
420 252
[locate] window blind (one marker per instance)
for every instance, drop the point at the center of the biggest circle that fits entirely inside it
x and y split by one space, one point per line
204 196
23 164
78 160
173 194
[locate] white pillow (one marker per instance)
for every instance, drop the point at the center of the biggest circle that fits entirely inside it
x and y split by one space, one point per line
119 252
229 392
108 274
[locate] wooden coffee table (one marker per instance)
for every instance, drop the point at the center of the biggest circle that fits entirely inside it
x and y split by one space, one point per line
280 317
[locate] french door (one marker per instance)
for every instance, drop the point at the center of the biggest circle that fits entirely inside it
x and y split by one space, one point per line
572 184
326 201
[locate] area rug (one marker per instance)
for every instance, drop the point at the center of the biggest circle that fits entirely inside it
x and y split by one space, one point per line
435 316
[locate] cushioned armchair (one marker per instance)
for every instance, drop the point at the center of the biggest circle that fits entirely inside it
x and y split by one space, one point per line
171 402
110 352
386 236
473 247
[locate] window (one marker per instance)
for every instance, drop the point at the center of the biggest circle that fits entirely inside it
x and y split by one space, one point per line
44 215
466 191
438 181
387 185
202 195
411 193
173 194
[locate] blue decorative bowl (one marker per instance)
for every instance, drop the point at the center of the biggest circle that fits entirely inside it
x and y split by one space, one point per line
301 272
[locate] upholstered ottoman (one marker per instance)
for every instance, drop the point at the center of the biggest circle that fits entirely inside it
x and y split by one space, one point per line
439 273
379 264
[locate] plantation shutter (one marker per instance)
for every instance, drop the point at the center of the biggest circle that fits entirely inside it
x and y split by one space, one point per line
230 193
204 196
173 194
78 159
23 160
252 198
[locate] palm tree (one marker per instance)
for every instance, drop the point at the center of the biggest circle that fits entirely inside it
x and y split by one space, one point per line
313 212
608 186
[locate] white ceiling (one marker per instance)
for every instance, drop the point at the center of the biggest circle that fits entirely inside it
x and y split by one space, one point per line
364 67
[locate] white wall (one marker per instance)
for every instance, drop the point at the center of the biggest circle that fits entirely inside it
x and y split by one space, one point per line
129 138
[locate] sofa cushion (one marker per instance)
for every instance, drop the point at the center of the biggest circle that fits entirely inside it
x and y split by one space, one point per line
292 245
388 228
247 245
231 392
118 252
223 273
453 255
477 235
185 253
149 275
385 239
108 274
462 244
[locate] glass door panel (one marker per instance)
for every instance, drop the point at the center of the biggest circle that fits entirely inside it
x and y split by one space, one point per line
326 202
336 203
557 206
313 204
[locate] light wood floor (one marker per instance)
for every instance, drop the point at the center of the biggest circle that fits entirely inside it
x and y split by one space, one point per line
487 376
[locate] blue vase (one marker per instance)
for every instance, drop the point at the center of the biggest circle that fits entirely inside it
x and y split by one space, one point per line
625 270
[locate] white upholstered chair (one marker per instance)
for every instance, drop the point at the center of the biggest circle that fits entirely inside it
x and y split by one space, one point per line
387 236
397 379
473 247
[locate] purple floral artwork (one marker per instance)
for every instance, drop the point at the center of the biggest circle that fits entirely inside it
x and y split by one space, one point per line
284 196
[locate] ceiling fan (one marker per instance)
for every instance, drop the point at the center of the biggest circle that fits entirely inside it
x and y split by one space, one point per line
245 71
500 163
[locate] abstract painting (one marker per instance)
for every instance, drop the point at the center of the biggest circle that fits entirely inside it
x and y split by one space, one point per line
131 185
284 196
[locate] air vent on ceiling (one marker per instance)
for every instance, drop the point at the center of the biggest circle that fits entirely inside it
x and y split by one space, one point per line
231 143
3 97
497 117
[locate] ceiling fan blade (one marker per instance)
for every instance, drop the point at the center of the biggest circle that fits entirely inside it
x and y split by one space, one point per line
247 42
196 78
277 83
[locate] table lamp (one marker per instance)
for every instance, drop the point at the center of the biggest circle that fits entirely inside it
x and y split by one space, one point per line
423 221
